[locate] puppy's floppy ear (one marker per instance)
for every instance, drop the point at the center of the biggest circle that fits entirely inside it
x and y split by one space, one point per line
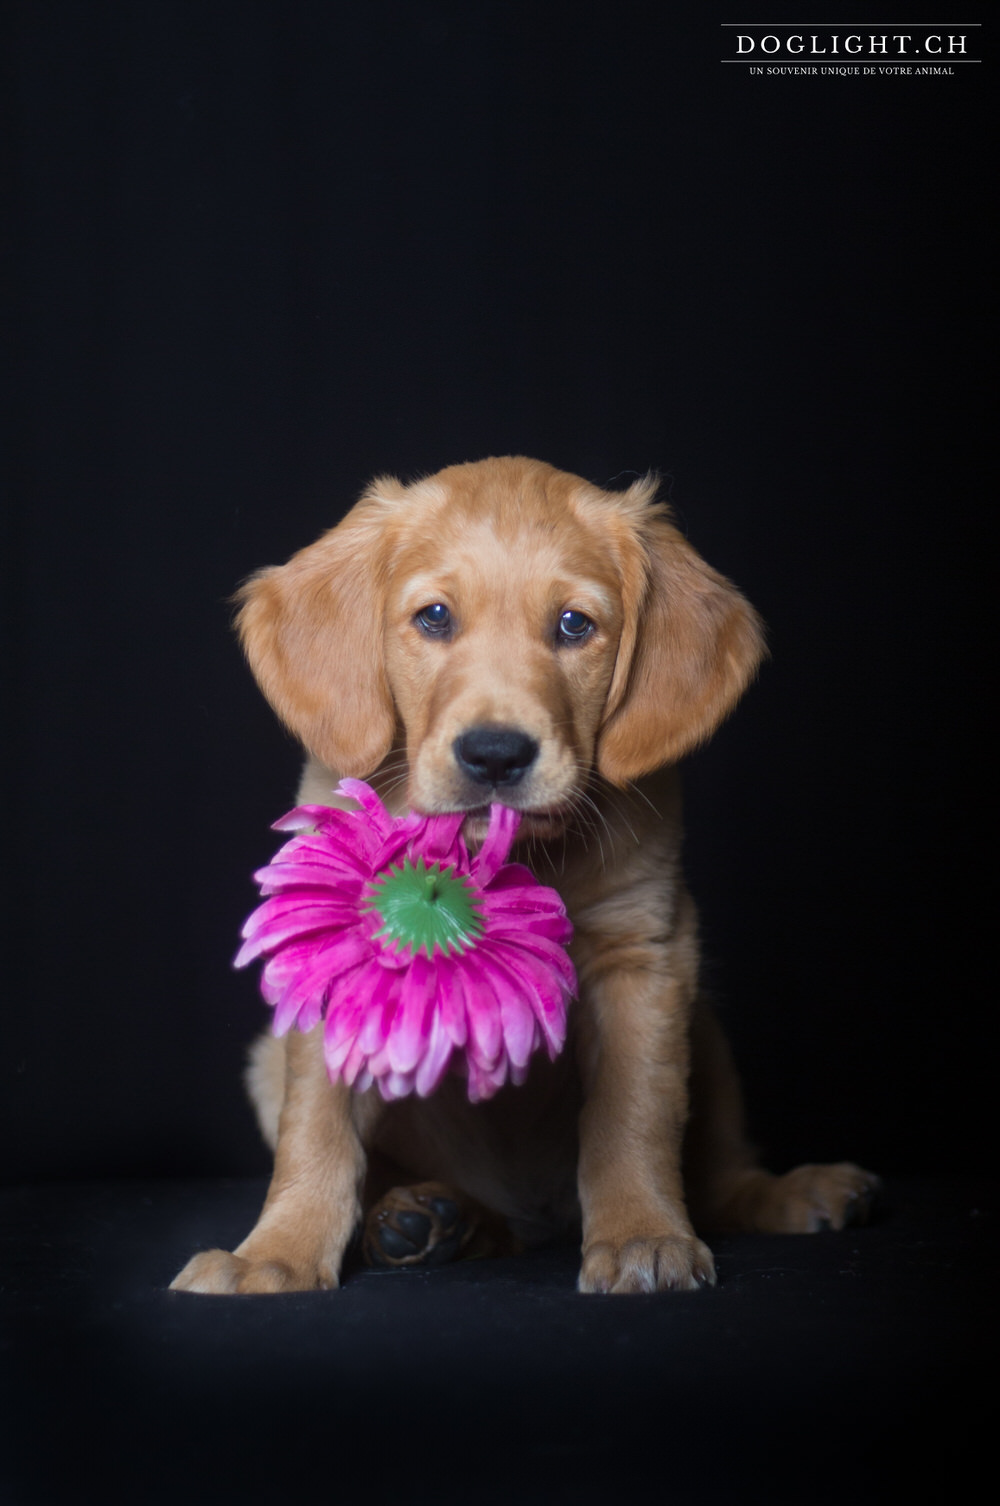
690 645
312 632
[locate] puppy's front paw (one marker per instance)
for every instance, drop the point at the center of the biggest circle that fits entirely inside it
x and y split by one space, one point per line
219 1273
663 1263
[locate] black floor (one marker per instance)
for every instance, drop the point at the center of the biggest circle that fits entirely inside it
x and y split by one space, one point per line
841 1367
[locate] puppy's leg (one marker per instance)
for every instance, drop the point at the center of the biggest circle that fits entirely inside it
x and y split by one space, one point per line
728 1190
636 1233
313 1203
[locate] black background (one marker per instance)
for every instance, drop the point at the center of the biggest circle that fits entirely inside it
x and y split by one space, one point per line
265 251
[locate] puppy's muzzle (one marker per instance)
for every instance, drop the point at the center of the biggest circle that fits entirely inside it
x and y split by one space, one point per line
497 756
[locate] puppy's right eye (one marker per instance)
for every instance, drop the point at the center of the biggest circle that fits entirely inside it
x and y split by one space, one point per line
435 620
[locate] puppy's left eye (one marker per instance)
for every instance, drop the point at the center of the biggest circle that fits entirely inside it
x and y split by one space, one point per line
435 620
574 627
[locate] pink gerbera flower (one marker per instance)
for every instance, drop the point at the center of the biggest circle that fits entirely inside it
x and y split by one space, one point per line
416 956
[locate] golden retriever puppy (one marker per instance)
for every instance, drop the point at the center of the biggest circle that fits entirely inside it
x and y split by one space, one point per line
503 631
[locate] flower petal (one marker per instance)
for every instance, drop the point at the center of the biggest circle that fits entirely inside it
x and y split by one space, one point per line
440 837
354 1064
319 848
554 927
544 991
410 1027
484 1083
452 1008
515 896
482 1011
504 821
301 874
293 925
274 913
518 1024
378 1012
536 946
343 1021
378 816
517 876
435 1060
305 817
396 1084
313 978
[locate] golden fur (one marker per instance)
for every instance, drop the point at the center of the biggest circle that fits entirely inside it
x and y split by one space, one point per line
597 1138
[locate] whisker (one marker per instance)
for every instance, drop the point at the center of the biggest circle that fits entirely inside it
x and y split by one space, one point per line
618 800
582 806
635 790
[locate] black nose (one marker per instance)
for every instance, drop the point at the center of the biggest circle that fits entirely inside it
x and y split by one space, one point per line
495 755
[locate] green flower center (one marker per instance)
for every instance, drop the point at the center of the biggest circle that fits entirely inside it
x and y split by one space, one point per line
425 907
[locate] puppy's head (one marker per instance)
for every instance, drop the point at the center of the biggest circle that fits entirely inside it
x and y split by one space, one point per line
512 627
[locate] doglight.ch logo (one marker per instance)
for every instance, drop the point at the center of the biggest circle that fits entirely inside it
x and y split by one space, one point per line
852 51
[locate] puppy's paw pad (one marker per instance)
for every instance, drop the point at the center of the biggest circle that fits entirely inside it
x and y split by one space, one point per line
419 1225
650 1263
